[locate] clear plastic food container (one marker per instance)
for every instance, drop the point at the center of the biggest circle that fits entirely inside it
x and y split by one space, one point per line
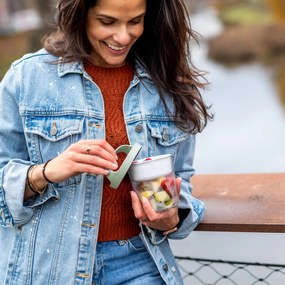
154 179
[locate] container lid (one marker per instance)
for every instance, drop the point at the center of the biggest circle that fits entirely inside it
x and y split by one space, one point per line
151 167
116 177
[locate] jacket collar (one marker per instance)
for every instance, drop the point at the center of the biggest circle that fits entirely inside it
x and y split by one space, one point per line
70 67
78 67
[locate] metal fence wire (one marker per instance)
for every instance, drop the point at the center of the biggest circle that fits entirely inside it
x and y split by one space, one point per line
211 272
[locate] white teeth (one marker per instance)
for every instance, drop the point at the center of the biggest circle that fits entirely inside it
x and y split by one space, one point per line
115 48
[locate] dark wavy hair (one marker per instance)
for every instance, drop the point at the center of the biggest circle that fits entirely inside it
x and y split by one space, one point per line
163 49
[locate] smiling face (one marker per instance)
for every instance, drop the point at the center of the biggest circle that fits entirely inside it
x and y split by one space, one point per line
113 26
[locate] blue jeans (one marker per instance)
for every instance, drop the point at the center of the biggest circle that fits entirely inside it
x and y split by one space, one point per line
125 262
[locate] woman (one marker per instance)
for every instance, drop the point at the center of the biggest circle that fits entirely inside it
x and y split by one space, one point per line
116 72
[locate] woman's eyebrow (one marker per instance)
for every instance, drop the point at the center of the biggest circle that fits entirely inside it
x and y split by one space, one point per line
113 18
105 16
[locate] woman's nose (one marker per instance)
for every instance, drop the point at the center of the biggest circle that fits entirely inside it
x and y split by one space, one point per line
122 36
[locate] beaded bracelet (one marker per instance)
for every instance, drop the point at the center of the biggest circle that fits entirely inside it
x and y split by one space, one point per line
43 172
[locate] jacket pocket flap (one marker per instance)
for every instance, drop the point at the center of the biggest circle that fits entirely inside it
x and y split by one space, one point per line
54 128
166 132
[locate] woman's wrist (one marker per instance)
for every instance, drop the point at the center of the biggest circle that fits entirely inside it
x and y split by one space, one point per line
37 180
165 233
44 172
32 185
172 230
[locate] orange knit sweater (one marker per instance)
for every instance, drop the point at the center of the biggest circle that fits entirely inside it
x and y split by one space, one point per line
117 220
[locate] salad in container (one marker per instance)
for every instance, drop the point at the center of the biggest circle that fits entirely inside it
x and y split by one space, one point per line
154 178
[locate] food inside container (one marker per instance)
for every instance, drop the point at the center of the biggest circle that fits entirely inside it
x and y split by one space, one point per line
154 179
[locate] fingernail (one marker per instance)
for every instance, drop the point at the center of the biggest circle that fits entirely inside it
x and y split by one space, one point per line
144 200
115 165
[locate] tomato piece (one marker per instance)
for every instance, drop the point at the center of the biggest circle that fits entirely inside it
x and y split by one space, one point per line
147 159
167 185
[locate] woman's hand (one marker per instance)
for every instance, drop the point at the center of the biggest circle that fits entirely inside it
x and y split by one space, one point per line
161 221
92 156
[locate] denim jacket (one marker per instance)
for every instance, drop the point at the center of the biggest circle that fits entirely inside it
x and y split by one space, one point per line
44 108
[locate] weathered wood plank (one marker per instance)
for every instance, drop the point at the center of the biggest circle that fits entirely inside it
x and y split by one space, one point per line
242 202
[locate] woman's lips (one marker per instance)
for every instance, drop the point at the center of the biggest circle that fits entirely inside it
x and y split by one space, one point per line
116 49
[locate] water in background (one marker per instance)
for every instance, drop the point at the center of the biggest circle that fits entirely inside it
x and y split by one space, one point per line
247 136
248 132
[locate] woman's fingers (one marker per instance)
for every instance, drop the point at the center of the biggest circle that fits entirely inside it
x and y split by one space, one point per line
178 184
137 207
92 156
98 157
157 220
92 162
99 148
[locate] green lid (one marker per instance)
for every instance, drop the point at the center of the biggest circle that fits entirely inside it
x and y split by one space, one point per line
116 177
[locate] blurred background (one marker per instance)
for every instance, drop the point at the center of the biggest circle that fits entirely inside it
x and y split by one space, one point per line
22 25
242 49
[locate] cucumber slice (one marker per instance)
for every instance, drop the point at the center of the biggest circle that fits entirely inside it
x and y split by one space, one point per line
161 196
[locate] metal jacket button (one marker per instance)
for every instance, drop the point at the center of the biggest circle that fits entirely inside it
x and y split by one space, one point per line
53 130
165 267
165 135
139 128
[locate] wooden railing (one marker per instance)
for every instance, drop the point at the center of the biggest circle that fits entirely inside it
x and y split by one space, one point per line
242 202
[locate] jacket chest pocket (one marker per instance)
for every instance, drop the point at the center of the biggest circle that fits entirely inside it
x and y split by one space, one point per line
48 136
164 137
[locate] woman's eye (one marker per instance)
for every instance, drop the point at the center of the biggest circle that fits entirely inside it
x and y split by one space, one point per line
136 21
106 22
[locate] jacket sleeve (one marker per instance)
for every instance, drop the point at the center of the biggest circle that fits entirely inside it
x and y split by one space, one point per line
12 144
191 208
14 155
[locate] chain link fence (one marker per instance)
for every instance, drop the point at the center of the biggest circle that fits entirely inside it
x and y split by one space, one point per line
211 272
